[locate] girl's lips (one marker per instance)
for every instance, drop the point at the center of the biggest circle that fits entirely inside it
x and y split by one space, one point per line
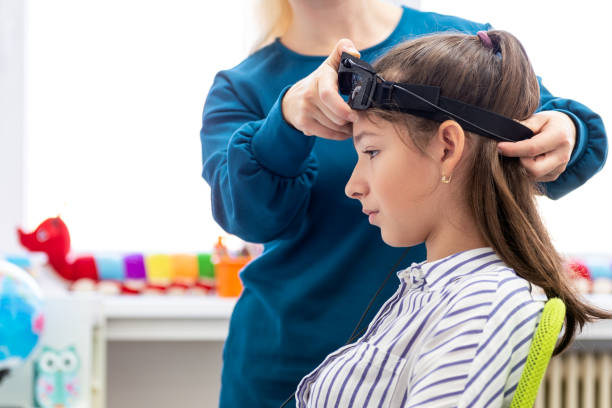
370 214
371 217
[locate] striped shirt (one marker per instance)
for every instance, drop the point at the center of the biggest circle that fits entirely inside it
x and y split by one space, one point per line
455 334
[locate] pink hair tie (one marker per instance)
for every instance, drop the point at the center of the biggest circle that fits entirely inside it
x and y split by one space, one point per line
486 40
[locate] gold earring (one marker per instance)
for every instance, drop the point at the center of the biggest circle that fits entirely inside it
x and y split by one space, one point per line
446 179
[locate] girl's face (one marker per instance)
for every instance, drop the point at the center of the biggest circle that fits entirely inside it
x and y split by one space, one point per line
397 185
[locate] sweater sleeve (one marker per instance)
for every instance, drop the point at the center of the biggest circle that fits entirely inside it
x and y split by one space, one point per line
260 169
590 150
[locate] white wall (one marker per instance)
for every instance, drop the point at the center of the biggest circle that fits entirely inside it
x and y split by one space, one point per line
116 90
11 121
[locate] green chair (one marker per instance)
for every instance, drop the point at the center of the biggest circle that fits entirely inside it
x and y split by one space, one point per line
540 351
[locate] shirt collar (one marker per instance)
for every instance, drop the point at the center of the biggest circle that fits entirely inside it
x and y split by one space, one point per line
437 274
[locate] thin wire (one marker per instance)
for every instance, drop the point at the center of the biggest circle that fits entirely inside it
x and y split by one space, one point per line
353 336
453 115
361 332
394 268
288 399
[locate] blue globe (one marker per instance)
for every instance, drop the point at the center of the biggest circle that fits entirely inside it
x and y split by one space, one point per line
21 316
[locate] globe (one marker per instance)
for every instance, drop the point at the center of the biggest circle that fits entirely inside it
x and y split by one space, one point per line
21 316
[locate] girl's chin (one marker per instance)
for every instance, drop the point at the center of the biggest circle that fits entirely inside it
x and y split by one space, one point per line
390 241
397 242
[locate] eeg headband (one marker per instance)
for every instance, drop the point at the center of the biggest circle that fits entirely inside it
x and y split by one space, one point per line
367 89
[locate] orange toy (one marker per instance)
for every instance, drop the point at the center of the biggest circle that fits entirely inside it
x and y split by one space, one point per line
227 270
226 275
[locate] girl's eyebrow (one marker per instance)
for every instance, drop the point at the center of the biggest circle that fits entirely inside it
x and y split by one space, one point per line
357 138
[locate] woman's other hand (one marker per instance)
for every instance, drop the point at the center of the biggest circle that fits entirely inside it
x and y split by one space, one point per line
314 106
545 155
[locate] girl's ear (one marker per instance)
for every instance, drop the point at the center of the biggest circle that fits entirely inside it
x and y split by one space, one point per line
447 146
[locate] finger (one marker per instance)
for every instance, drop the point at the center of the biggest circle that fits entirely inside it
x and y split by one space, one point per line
346 45
552 176
316 129
342 119
535 122
541 143
324 120
541 168
332 103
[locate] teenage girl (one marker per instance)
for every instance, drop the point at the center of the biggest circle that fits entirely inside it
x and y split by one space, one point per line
458 329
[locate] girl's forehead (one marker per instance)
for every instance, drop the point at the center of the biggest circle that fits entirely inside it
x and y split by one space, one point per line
359 137
367 127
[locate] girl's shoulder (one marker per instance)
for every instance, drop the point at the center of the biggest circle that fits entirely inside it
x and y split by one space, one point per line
500 288
500 277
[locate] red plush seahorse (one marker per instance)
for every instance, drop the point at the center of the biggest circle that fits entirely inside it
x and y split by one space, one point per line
52 237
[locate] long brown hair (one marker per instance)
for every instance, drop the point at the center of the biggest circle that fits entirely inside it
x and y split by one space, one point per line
499 191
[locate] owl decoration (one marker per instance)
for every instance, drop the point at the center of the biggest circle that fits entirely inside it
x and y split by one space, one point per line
56 379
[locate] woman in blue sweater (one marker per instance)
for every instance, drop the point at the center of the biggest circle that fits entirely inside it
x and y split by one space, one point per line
273 184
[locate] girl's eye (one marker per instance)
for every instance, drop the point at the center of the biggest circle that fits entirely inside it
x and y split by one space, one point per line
371 153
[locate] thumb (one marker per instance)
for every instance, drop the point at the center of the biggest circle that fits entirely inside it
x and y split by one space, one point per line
343 45
535 123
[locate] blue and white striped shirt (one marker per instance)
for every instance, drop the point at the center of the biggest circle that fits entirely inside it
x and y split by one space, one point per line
455 334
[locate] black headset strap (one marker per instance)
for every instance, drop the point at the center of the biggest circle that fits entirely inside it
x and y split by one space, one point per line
425 101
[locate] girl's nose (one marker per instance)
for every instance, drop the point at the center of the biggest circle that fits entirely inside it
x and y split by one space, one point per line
354 187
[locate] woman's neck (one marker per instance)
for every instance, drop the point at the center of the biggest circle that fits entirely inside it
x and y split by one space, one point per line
317 25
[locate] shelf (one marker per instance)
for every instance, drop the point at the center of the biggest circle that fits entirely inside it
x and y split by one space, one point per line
167 318
151 307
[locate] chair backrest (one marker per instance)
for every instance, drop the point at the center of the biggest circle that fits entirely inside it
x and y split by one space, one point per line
540 351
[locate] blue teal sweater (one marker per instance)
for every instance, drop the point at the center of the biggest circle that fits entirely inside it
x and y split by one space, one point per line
322 260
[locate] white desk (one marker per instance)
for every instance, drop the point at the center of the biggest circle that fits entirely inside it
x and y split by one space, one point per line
167 318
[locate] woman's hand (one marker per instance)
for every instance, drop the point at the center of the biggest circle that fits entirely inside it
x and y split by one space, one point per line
314 106
546 154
